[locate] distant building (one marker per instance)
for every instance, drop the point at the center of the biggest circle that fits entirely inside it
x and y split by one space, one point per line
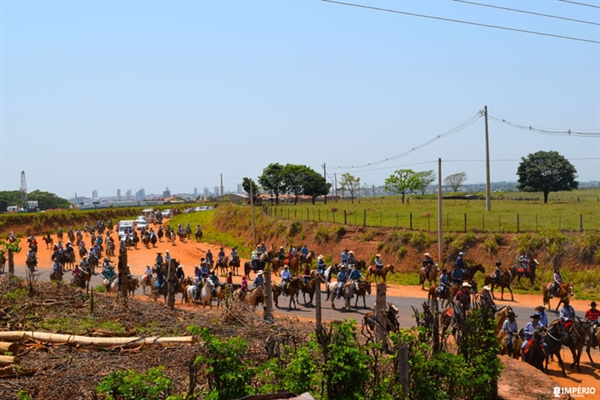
195 191
118 194
206 193
140 194
240 189
128 195
217 191
94 194
166 193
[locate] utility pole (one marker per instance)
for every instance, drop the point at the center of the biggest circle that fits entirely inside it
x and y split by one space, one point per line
488 197
335 185
373 191
325 178
440 215
252 208
221 187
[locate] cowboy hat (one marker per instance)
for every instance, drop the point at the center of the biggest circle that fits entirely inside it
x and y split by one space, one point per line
166 251
540 307
286 266
158 252
466 284
487 287
511 314
350 252
260 272
536 315
377 255
427 255
179 266
593 304
461 254
320 257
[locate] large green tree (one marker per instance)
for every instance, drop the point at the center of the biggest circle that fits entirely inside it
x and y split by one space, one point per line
546 171
350 183
315 185
455 181
294 177
403 181
425 178
46 200
272 180
246 182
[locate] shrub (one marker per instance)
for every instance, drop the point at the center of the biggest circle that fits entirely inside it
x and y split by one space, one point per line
132 385
339 232
528 243
321 235
555 244
295 228
420 240
401 252
586 247
490 244
367 236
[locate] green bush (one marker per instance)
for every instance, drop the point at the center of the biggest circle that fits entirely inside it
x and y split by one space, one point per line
321 235
128 384
401 252
367 236
420 240
555 244
339 232
295 228
586 247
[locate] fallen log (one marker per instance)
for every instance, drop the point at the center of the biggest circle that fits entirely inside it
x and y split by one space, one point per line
102 342
8 360
12 372
6 347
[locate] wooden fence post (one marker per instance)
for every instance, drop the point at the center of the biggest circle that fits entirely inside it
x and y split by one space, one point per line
171 285
482 222
518 224
345 218
319 213
580 222
268 312
380 304
465 222
364 217
411 221
318 317
307 214
403 368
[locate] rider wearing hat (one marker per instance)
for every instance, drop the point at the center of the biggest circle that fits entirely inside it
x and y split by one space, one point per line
286 275
567 314
541 310
528 331
179 273
592 314
159 259
463 297
321 265
428 263
342 278
281 254
351 259
259 281
510 328
221 255
486 298
378 263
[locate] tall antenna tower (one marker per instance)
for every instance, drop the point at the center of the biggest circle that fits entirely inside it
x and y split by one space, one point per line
23 190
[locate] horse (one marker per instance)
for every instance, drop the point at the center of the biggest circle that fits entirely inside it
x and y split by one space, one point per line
391 323
48 240
519 272
206 293
31 264
249 266
347 293
234 263
251 297
59 235
362 289
83 279
535 352
294 285
449 293
594 341
515 344
307 259
506 278
332 269
199 234
277 265
430 276
224 291
555 336
132 285
58 274
223 265
153 240
294 265
112 284
146 240
576 339
564 292
309 288
160 234
471 270
373 271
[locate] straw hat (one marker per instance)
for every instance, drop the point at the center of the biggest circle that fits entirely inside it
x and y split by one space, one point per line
466 284
260 272
427 255
377 255
320 257
487 287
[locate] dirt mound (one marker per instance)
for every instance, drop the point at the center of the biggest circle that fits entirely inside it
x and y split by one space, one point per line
521 381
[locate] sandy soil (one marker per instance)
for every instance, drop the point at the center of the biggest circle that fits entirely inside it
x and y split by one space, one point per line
190 252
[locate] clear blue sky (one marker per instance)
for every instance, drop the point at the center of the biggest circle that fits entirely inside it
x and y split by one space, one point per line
144 94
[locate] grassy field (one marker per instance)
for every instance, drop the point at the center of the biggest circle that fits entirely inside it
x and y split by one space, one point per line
511 212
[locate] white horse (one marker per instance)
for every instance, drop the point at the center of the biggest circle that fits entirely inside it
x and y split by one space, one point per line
347 293
332 269
111 286
189 293
206 293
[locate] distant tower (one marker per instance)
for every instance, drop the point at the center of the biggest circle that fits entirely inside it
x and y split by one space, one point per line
23 190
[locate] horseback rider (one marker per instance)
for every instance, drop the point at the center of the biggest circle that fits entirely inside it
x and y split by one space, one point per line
229 280
342 278
355 274
444 283
161 278
345 257
428 263
85 264
167 258
304 251
321 266
306 274
511 328
524 262
457 275
293 253
486 298
254 258
351 259
529 330
460 262
567 314
204 269
108 272
12 238
259 281
234 255
244 286
261 249
209 258
286 275
556 283
56 270
220 256
498 271
159 261
281 254
215 280
32 257
378 263
148 272
106 263
541 310
463 297
179 273
592 314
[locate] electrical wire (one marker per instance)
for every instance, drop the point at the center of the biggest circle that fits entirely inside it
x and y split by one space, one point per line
580 4
528 12
463 125
556 132
462 21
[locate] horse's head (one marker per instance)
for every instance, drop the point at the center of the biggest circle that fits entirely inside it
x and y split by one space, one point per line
479 267
393 309
367 286
390 267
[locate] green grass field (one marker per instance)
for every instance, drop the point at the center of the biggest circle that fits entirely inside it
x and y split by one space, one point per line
510 212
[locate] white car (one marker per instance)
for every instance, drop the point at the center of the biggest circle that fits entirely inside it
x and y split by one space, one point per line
140 224
204 208
167 213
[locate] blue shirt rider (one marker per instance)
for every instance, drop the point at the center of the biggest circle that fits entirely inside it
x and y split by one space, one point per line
209 257
378 262
444 282
457 275
167 258
234 254
355 274
286 275
204 270
321 266
342 278
259 281
460 262
304 250
159 259
528 331
351 259
345 256
221 255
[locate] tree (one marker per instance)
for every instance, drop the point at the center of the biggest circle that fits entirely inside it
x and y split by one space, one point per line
315 185
351 184
455 180
546 171
47 200
403 181
294 177
272 180
255 190
426 178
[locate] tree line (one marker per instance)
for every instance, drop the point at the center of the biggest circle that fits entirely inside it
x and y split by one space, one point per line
46 200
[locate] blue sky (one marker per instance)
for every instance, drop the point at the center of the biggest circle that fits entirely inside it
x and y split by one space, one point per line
144 94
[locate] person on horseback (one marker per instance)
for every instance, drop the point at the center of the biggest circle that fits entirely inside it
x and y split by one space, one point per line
254 259
306 274
378 263
204 269
85 264
567 314
244 286
12 238
293 253
148 272
524 262
304 251
444 283
56 270
259 281
106 263
528 331
457 275
511 328
215 280
592 314
179 273
541 310
159 261
355 274
486 298
281 254
342 278
261 249
428 263
556 283
209 258
230 278
345 256
31 255
351 259
167 258
460 261
161 278
220 256
498 271
463 297
286 275
76 274
321 266
108 272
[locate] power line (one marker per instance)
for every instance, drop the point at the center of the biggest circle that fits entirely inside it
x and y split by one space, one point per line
556 132
462 22
580 4
528 12
463 125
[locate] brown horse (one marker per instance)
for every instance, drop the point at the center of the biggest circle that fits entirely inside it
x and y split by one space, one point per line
564 291
391 323
471 270
309 288
294 265
506 278
48 239
362 289
252 297
430 276
372 271
277 266
147 282
500 317
132 286
449 293
308 259
223 265
234 263
294 286
519 272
